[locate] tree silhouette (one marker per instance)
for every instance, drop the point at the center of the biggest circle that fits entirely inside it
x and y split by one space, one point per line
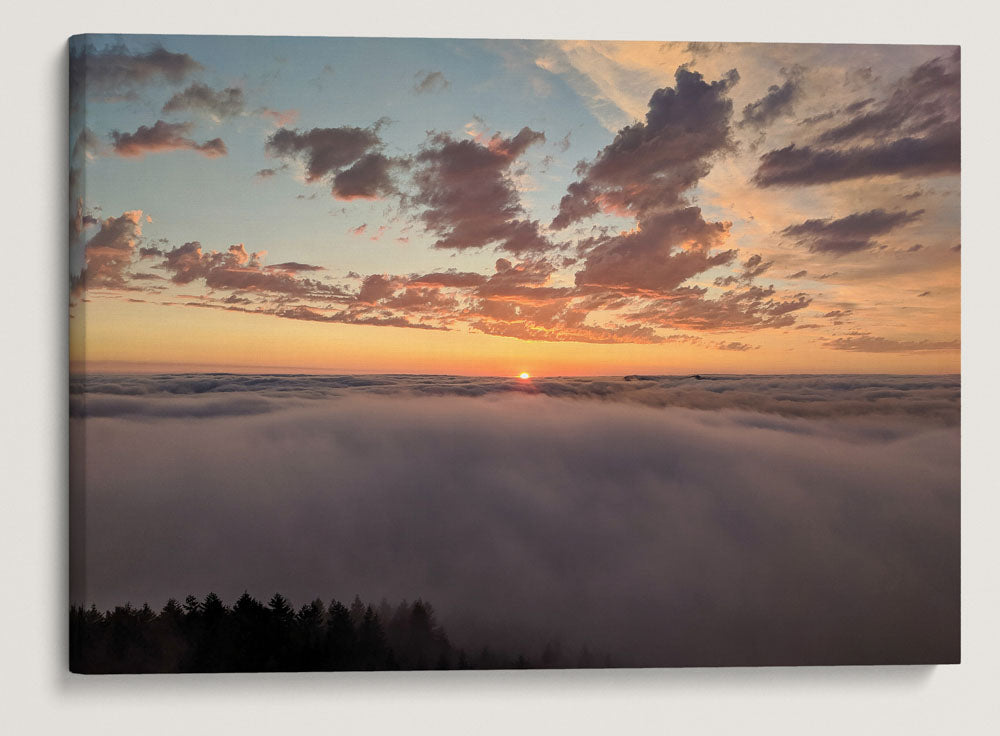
207 636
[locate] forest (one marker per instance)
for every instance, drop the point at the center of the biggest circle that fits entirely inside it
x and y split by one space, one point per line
250 636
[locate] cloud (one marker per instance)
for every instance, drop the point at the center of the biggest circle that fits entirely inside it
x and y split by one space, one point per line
668 248
163 137
427 82
116 72
778 101
348 157
450 278
916 131
293 266
526 518
924 100
753 267
932 399
848 234
280 118
650 164
747 307
236 269
369 178
559 324
939 153
108 254
645 173
468 197
352 317
867 343
225 103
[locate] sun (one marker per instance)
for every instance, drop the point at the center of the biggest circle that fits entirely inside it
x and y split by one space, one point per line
525 376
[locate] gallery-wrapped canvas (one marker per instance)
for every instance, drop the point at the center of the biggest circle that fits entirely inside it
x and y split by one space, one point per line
476 354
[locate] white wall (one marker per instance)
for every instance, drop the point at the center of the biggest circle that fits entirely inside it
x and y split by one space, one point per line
36 692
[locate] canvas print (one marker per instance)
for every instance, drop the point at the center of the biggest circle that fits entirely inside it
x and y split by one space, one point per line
414 354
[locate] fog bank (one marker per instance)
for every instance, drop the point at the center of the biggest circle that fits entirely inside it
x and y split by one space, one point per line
663 536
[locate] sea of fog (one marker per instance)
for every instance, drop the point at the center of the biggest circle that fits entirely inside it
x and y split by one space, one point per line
661 520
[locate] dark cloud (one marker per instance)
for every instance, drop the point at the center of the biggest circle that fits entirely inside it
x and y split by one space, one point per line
736 346
650 164
370 177
914 132
376 287
116 72
855 107
778 101
819 118
651 258
224 103
468 197
927 98
236 269
797 275
753 267
325 150
427 82
662 537
293 266
645 172
348 157
848 234
937 153
162 137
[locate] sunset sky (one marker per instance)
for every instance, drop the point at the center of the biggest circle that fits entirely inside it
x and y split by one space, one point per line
492 207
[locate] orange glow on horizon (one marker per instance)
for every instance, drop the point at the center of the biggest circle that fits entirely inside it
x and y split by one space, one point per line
118 336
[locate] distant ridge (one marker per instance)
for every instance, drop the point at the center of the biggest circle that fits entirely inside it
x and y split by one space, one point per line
636 377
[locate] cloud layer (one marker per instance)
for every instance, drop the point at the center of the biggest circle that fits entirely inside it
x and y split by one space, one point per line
664 537
933 399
